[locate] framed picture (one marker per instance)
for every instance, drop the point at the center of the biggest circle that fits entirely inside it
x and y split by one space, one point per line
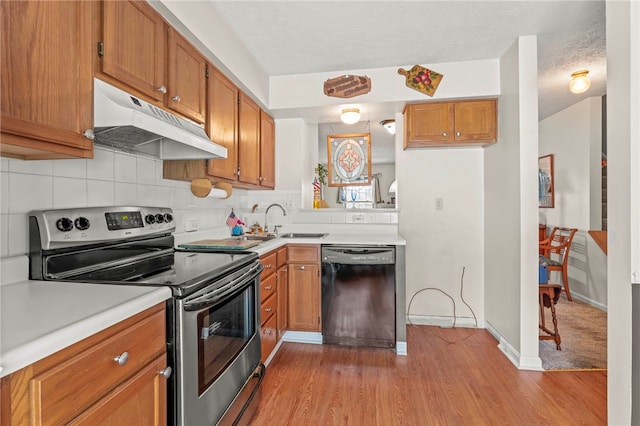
545 182
349 158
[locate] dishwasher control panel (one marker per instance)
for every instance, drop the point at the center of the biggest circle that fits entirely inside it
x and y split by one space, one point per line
358 255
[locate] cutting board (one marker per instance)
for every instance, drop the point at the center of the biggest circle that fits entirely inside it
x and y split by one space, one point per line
225 244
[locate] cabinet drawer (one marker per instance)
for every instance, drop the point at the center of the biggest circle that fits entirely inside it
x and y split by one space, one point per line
281 255
269 263
268 308
268 337
303 253
67 389
267 287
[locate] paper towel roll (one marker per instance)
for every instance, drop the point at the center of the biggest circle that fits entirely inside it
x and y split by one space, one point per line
203 188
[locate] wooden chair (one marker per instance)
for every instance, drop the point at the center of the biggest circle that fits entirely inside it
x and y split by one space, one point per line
556 250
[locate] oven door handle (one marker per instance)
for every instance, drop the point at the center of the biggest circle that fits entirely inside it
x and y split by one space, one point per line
211 298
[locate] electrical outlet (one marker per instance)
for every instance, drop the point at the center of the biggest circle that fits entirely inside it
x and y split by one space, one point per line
439 203
288 204
191 225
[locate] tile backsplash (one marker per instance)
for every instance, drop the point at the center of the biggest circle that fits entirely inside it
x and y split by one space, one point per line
109 179
114 178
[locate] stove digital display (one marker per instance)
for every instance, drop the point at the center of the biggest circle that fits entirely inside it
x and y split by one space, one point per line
124 220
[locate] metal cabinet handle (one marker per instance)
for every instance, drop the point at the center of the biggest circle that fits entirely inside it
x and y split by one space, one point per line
122 359
268 288
176 98
268 310
268 266
260 178
302 268
458 133
267 332
162 89
89 134
166 373
444 134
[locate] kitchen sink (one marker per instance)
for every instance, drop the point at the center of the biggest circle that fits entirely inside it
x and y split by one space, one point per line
303 235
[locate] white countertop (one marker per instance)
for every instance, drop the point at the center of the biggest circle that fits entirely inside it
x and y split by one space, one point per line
39 318
359 239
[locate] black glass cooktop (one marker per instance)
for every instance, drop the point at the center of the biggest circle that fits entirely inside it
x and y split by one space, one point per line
183 271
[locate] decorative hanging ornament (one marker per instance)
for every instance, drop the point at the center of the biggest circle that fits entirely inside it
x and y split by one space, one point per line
421 79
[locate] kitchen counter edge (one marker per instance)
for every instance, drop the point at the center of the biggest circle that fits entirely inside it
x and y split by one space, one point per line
66 313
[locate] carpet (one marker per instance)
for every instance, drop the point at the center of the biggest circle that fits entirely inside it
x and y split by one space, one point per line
583 330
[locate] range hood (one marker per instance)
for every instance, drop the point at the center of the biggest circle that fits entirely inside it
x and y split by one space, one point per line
127 123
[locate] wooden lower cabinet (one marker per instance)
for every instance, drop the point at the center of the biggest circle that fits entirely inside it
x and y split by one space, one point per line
304 287
113 377
268 337
282 283
268 304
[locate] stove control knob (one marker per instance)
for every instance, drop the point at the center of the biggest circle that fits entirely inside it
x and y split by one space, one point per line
159 218
82 223
150 219
64 224
168 217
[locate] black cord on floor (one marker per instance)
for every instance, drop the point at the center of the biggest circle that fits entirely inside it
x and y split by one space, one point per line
452 302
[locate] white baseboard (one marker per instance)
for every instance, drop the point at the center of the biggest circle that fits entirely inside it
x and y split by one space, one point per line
444 322
521 363
591 302
303 337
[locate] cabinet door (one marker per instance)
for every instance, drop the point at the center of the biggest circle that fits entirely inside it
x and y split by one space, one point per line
282 293
222 123
46 75
248 140
475 121
304 297
428 124
267 151
134 51
187 89
140 400
268 338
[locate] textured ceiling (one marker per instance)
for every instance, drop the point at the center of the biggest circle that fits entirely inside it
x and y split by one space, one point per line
296 37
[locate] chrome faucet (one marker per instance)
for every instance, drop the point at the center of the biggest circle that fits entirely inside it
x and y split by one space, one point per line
284 212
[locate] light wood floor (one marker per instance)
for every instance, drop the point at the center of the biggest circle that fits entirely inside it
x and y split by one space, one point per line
468 382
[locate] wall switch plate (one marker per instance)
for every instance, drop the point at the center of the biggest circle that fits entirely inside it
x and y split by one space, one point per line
191 225
439 203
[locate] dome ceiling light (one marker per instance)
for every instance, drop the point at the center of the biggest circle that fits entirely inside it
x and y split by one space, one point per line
350 115
389 125
580 83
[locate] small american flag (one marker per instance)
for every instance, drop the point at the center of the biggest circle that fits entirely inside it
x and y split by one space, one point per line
232 220
316 184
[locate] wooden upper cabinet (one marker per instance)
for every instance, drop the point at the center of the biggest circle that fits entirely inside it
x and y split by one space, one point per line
187 88
441 124
46 75
222 124
429 122
248 140
267 151
134 46
475 121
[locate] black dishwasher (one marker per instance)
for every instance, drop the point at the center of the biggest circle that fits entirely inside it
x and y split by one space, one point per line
359 295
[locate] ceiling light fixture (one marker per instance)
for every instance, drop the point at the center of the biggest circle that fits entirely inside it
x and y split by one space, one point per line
350 115
390 125
580 83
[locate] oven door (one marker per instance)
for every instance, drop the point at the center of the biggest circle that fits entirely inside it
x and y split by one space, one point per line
217 347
